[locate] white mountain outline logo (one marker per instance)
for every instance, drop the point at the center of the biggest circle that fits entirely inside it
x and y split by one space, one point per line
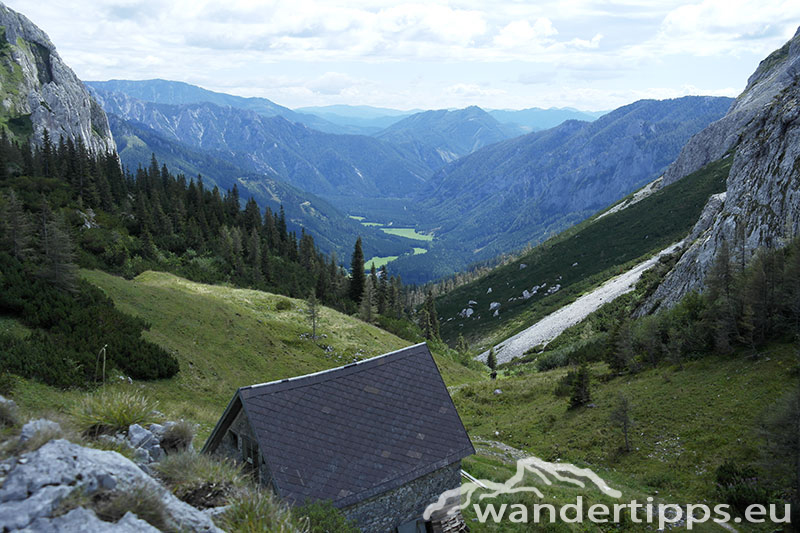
513 485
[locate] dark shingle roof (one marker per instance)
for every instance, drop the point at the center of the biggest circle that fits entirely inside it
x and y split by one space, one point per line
356 431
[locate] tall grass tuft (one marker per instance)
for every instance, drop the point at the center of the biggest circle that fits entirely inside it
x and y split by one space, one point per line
178 437
112 412
254 512
199 479
140 500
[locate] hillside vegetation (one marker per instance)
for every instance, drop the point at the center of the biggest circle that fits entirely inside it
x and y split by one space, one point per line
224 338
578 259
686 423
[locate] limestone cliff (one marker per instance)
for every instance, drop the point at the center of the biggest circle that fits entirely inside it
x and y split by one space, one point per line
762 203
38 91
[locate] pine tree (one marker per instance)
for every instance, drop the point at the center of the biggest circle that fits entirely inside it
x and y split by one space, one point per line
313 313
367 307
16 226
431 330
491 362
58 257
254 256
581 395
383 291
357 275
621 418
251 218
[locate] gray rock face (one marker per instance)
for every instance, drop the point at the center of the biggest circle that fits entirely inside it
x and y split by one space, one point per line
761 207
36 482
49 91
81 520
775 73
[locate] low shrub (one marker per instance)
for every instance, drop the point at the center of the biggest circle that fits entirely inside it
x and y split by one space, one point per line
739 486
112 412
283 305
565 384
7 383
552 360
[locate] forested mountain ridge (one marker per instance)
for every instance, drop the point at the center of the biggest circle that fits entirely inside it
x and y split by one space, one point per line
169 92
450 133
333 230
536 119
40 93
522 190
322 163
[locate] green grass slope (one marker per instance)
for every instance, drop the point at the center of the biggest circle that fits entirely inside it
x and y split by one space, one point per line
578 259
686 423
226 338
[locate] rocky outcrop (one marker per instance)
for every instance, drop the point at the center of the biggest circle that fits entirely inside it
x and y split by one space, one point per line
38 87
33 485
761 207
772 76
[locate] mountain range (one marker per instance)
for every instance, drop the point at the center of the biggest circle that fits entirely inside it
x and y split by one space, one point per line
525 189
448 172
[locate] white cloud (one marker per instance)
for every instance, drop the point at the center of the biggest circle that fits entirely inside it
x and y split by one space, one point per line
521 33
716 27
441 53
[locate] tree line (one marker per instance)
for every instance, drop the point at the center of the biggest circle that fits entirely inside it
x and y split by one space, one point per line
64 208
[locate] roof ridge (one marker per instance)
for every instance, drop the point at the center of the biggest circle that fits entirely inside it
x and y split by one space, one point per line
297 380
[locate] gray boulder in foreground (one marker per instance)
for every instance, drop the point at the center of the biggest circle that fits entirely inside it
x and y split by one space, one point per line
36 482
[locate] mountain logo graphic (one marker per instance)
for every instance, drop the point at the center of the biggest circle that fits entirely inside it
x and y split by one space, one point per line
450 501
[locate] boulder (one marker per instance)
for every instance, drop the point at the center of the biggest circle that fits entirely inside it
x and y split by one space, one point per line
31 428
37 481
81 520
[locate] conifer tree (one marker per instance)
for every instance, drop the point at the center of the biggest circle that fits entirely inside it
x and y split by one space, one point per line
16 226
357 275
621 417
367 307
580 388
313 313
58 256
491 362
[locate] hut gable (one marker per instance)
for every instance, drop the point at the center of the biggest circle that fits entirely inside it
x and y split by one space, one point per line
351 433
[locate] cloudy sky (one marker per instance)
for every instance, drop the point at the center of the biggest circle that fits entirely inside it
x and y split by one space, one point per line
588 54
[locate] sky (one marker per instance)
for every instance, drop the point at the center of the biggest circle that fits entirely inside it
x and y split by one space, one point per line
508 54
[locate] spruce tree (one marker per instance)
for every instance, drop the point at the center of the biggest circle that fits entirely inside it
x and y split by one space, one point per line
58 256
16 227
491 362
433 319
621 417
580 388
313 313
357 274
